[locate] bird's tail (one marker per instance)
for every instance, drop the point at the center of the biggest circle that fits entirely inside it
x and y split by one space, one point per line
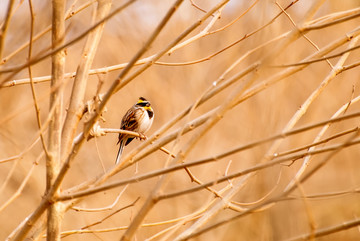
121 148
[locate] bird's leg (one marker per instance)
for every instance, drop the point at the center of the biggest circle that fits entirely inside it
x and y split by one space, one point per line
142 136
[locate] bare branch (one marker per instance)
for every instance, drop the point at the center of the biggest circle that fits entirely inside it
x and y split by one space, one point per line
17 69
79 87
54 215
231 136
329 230
4 27
68 14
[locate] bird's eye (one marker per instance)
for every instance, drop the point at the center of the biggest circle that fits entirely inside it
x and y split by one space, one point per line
143 104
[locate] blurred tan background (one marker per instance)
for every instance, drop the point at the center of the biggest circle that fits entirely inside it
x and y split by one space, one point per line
171 89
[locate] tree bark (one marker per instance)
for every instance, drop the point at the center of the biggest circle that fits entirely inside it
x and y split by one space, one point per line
54 215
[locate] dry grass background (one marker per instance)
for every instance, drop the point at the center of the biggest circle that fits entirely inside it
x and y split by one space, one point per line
330 197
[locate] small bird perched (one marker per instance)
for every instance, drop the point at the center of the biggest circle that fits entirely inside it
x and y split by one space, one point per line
138 119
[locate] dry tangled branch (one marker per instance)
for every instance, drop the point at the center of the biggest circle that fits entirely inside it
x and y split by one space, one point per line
256 116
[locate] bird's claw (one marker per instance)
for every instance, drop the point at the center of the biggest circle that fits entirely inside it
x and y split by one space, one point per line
142 137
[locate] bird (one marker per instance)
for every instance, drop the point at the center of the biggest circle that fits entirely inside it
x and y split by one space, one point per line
138 118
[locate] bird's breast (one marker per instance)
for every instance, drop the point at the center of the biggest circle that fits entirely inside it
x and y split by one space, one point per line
145 123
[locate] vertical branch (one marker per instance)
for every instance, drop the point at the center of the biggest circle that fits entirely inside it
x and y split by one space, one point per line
54 145
37 109
82 73
4 28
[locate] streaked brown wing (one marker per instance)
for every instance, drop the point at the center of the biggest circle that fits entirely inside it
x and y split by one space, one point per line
130 123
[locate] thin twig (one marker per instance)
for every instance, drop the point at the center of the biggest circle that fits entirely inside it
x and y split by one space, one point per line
36 105
196 6
294 24
4 27
17 69
328 230
319 59
70 13
337 21
112 214
109 207
21 187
